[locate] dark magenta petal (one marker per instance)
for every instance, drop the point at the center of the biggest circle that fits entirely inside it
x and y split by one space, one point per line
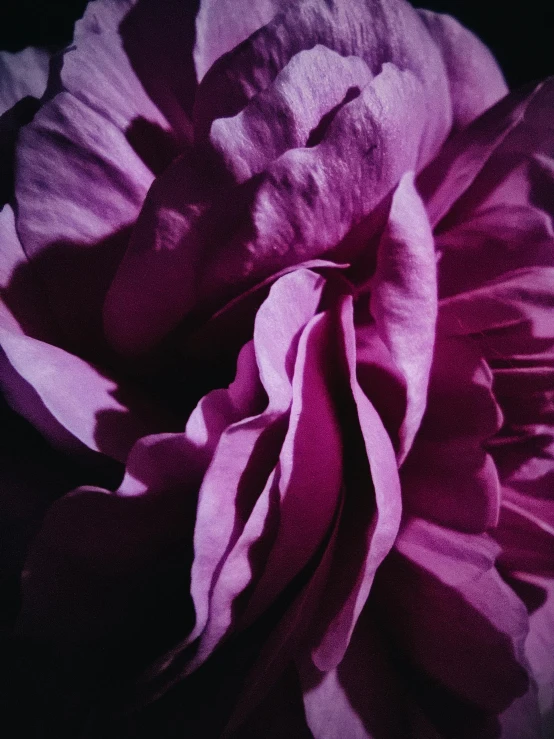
476 82
370 517
21 74
454 616
449 476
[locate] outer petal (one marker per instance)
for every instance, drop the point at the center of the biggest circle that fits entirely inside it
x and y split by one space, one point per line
404 300
78 184
21 74
378 31
70 401
476 82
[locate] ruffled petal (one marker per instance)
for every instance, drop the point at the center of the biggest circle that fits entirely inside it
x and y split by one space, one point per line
248 450
47 386
370 518
378 31
304 204
21 74
476 82
286 115
404 300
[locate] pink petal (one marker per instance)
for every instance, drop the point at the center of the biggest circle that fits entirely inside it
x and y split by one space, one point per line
454 616
252 443
304 489
222 24
379 31
21 74
311 86
404 300
70 401
523 296
449 477
368 526
476 82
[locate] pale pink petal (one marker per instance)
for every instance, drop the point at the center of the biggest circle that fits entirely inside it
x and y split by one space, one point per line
449 476
21 74
311 87
453 614
223 24
71 402
378 31
404 300
476 82
370 518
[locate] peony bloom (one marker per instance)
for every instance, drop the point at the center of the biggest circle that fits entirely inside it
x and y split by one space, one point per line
277 341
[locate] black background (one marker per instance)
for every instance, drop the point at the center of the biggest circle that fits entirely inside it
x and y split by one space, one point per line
521 35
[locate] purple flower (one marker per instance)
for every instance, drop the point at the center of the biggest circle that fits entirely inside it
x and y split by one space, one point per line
277 291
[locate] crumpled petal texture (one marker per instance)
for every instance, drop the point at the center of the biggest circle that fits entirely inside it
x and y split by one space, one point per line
277 365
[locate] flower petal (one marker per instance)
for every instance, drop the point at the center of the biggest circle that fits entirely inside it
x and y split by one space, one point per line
21 74
378 31
476 82
70 401
449 477
368 525
404 300
305 93
454 616
222 24
78 184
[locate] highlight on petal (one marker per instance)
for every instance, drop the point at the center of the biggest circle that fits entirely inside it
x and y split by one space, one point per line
286 115
21 74
46 385
476 82
197 249
404 300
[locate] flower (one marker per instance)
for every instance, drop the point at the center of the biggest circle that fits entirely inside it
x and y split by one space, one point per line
277 292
